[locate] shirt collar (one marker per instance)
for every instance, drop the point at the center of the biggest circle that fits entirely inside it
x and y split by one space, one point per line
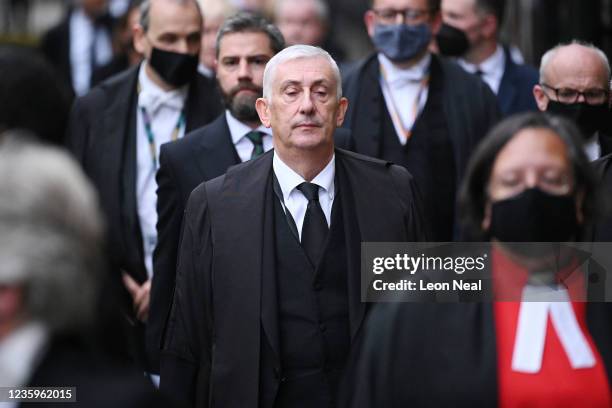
493 66
151 96
289 179
413 74
238 130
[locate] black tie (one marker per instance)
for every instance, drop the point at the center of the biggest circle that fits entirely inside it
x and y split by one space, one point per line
479 73
256 138
314 229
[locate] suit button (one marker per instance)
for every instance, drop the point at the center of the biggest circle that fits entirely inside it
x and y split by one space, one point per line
322 327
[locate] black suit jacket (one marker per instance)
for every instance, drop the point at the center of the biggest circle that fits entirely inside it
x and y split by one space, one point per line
438 355
515 93
102 136
225 311
55 46
200 156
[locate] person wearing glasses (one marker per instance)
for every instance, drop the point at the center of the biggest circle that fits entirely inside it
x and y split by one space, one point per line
415 108
575 83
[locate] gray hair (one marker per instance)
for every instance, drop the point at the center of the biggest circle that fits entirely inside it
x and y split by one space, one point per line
245 22
293 53
550 54
52 232
145 11
321 8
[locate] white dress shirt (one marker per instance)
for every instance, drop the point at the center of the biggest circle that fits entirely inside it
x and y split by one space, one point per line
20 353
401 90
243 144
492 68
294 200
164 109
82 34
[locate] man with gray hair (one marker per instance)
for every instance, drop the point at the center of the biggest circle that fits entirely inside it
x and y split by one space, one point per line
50 276
305 22
575 83
246 42
116 131
267 299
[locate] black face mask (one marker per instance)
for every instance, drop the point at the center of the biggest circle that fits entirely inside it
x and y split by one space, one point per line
534 216
452 42
589 118
175 68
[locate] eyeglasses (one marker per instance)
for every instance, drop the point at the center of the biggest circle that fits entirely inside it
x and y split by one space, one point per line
389 16
594 96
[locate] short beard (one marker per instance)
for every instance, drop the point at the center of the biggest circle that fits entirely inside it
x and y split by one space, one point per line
243 107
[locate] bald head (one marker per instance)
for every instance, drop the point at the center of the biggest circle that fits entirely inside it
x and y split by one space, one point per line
575 65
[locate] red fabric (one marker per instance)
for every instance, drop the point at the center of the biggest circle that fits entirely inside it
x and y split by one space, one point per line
557 384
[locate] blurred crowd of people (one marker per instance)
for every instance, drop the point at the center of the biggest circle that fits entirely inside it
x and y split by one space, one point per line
187 184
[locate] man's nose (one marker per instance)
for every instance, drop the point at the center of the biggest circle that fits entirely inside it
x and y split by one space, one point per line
306 105
400 17
244 69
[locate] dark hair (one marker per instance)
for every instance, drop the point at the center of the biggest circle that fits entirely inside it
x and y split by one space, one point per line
495 7
432 5
32 95
245 22
473 192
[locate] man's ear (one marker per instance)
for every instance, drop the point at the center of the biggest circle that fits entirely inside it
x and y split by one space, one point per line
342 107
369 18
263 110
436 23
540 97
139 39
490 26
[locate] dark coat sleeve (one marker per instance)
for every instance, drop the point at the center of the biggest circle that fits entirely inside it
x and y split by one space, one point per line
186 357
414 220
170 209
79 124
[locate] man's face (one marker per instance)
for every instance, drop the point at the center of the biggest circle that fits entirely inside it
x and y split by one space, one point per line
299 22
390 12
573 68
208 51
462 14
303 109
173 27
240 67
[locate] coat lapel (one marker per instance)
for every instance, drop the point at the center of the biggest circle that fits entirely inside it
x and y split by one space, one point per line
120 138
215 151
366 109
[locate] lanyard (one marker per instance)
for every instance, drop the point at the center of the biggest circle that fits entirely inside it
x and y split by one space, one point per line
146 119
395 117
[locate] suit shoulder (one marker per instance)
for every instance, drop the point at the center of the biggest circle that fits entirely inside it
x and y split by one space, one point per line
358 158
105 93
184 145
